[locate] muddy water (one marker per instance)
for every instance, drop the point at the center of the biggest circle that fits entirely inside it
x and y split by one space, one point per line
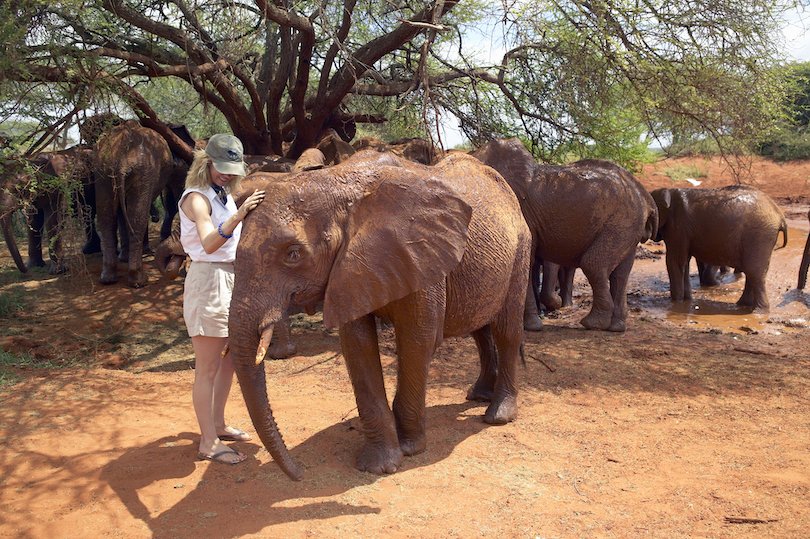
714 308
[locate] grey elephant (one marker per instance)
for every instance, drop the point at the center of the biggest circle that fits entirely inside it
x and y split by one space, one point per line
805 262
730 226
48 184
132 166
438 251
589 215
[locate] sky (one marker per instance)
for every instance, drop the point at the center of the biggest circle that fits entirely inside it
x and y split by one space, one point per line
796 34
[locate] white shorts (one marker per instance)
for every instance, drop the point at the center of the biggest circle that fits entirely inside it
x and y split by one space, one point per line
207 298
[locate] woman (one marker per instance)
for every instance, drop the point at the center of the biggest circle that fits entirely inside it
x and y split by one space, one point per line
210 226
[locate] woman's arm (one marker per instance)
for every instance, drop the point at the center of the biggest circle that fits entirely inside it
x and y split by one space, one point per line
196 208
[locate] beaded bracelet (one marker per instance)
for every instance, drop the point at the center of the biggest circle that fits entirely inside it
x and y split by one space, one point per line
221 233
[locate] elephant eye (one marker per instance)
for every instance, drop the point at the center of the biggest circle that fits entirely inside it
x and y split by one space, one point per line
293 254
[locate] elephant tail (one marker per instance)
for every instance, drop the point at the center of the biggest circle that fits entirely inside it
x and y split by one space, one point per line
784 230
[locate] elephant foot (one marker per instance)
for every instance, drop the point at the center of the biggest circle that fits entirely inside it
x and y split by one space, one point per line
57 269
501 412
108 277
480 392
596 321
136 279
91 247
379 460
413 446
282 351
617 325
532 322
551 303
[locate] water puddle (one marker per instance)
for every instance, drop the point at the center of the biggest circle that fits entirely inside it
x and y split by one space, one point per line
725 316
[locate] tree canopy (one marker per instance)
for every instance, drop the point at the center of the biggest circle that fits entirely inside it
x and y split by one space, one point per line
564 75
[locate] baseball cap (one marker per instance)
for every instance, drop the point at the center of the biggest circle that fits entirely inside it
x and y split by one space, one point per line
226 154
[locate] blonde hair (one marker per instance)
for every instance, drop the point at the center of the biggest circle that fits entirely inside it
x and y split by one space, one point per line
199 174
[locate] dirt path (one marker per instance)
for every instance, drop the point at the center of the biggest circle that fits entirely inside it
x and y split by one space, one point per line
689 424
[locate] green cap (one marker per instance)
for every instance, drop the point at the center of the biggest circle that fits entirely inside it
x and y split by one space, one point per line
226 154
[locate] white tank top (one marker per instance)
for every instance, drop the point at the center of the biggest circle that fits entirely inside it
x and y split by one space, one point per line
219 213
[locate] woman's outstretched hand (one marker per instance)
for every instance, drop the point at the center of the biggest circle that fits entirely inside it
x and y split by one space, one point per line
250 203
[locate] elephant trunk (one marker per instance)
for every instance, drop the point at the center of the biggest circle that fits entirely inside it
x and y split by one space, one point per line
244 343
805 262
8 236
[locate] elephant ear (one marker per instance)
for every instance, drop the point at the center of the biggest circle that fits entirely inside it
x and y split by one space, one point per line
402 237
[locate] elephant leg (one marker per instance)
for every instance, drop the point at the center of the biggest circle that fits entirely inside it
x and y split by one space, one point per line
55 251
418 333
281 347
754 292
93 242
36 224
531 313
381 452
618 291
548 292
566 278
503 406
106 216
484 388
597 270
678 271
136 277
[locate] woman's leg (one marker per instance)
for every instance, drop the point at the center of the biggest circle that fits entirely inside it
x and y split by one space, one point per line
222 387
210 393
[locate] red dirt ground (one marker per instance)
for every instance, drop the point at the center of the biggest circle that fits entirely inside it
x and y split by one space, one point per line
687 425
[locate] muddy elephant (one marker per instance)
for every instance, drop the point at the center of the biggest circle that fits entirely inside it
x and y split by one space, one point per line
438 251
132 166
413 149
51 186
730 226
589 215
805 262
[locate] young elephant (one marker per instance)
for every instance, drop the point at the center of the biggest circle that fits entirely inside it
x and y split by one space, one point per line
731 226
439 251
589 215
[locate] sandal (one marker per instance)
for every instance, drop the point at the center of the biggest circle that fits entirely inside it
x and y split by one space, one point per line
220 457
236 436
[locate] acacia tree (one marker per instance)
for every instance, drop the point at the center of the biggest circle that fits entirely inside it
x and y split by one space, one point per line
282 71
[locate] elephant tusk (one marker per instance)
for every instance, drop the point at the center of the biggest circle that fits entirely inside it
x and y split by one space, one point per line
264 343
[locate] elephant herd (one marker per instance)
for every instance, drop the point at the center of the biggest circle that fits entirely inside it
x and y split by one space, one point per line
438 250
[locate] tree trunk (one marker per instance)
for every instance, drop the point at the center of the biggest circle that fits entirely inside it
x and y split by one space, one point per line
8 236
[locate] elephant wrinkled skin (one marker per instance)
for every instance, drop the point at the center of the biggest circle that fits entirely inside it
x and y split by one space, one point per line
734 226
589 215
805 262
438 251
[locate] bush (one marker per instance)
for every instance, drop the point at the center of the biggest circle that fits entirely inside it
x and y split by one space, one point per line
786 145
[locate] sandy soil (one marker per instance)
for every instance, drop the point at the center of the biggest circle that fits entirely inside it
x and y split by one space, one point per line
695 422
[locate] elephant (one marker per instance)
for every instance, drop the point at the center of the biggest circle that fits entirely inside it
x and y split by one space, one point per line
413 149
41 183
436 251
590 214
805 262
132 165
734 226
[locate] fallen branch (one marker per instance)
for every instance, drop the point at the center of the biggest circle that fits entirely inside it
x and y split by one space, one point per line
743 520
546 365
330 358
754 352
